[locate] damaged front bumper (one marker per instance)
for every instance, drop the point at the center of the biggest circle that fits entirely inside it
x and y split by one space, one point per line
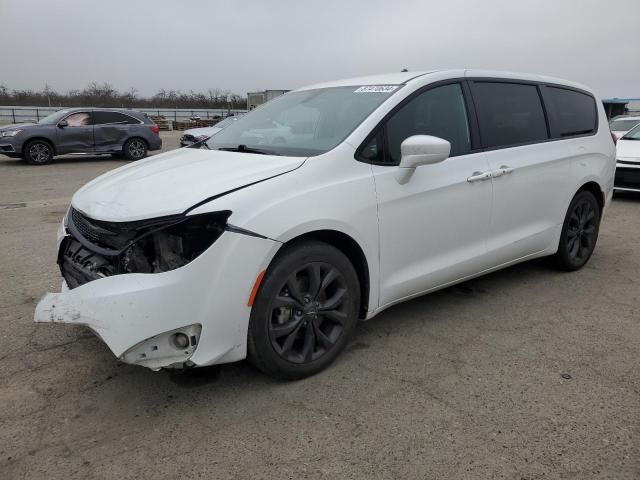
144 318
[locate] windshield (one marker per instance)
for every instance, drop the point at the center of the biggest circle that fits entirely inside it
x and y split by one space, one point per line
633 134
304 123
53 118
226 122
622 125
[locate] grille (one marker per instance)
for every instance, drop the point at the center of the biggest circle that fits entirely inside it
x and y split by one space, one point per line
116 234
88 230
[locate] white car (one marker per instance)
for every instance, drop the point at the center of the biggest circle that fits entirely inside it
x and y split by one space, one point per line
195 135
628 161
621 125
381 189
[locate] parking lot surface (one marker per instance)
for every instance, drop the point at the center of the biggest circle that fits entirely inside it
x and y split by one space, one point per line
523 374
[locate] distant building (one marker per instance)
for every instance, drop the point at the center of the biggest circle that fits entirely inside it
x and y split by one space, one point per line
258 98
620 106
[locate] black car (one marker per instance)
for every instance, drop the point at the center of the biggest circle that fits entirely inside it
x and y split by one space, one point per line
82 130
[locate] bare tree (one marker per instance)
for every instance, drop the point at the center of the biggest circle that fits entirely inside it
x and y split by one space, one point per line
105 95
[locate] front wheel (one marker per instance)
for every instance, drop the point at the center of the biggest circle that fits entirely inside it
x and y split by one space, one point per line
38 152
579 232
135 149
305 311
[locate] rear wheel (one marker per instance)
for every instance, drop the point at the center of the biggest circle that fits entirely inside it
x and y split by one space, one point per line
38 152
579 232
305 311
135 149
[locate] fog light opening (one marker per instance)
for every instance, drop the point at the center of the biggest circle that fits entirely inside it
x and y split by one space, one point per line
170 349
180 340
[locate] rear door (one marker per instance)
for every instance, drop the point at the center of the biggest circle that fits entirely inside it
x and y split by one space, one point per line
111 130
76 136
530 172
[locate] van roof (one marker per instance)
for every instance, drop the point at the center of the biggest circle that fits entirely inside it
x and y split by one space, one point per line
401 78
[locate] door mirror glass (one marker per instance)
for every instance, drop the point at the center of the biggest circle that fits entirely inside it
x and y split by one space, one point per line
423 150
63 124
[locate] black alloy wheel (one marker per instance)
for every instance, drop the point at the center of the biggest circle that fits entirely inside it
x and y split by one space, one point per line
308 313
305 311
579 232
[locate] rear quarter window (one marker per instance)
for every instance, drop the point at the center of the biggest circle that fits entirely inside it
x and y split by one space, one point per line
573 113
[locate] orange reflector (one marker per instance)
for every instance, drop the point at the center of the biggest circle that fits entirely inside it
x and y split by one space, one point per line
254 290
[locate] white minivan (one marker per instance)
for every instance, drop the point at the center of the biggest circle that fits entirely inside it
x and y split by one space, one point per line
374 190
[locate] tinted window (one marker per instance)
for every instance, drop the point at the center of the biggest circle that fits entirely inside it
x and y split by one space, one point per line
100 118
574 112
372 151
440 112
78 119
509 113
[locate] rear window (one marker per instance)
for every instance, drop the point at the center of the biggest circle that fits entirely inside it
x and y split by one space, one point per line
509 113
623 125
574 113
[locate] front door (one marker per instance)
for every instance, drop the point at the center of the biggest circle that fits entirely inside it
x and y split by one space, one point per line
76 136
433 228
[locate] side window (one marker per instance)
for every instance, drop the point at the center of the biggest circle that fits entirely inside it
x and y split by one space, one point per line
102 118
79 119
574 113
509 113
440 112
372 151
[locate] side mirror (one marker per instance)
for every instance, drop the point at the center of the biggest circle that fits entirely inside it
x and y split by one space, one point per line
420 150
63 124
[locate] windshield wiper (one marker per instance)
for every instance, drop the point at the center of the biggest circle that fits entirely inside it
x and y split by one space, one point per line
245 149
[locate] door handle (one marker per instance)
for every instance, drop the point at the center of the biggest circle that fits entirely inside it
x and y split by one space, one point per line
479 176
503 170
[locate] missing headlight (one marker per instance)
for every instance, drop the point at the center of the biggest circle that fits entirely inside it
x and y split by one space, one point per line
97 249
174 246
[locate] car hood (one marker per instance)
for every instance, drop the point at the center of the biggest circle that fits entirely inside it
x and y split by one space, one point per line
172 182
628 149
15 126
202 131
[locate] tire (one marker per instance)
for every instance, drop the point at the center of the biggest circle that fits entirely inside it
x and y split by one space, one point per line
38 152
305 311
579 232
135 149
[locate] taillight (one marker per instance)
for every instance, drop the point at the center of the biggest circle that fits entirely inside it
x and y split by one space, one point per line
614 138
155 128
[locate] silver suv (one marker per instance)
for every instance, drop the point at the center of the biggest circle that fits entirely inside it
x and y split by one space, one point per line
82 130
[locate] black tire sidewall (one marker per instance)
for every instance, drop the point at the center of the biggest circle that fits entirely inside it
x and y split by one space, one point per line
260 351
563 258
125 149
27 155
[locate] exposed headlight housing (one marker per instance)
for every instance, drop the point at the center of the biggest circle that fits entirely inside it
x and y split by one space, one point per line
97 249
9 133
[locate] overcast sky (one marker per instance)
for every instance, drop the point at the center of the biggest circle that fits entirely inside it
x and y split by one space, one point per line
243 45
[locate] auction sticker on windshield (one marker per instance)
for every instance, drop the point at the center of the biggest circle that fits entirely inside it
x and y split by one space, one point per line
376 89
